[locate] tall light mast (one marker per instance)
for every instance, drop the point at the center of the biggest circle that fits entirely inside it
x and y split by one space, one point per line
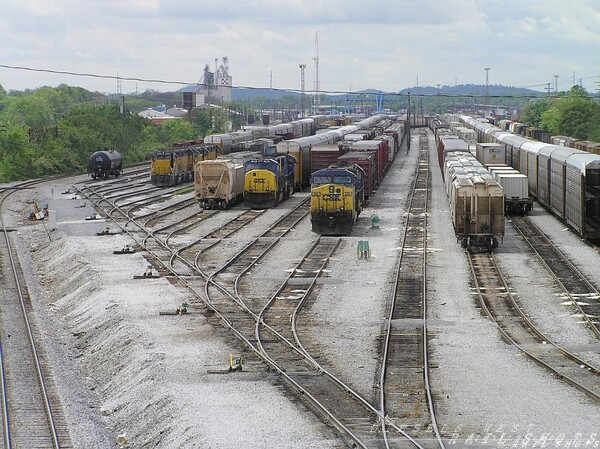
302 67
487 89
317 86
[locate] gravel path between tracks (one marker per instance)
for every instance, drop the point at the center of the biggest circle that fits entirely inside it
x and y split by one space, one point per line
125 370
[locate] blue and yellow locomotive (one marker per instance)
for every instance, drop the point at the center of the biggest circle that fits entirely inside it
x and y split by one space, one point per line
176 165
337 197
268 181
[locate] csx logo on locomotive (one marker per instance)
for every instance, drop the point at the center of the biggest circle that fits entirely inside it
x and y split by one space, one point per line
332 197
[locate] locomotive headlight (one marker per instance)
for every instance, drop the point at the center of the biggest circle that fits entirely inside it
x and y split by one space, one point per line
342 208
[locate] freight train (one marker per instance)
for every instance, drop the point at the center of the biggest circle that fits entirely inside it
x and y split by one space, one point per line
542 135
175 165
337 197
219 183
301 147
476 199
268 181
517 199
102 164
564 180
234 141
345 174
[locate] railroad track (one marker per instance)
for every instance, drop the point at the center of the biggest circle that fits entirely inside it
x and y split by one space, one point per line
228 307
405 393
501 307
582 294
257 325
31 407
279 343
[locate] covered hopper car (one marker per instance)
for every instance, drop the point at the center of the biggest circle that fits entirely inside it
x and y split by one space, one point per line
564 180
476 199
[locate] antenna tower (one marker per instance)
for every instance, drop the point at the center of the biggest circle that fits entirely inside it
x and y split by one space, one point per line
317 86
302 67
487 87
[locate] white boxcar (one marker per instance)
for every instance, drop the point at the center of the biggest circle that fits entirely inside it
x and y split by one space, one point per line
490 153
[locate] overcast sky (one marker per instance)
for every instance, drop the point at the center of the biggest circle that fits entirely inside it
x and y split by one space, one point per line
380 44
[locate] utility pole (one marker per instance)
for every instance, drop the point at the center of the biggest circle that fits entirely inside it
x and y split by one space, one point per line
302 67
487 89
317 85
408 124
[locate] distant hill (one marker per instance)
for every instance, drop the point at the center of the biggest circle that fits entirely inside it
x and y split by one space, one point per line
244 93
472 89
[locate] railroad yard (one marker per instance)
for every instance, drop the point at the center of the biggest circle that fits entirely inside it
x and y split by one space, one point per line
145 348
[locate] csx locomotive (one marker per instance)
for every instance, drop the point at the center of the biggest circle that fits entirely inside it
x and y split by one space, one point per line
268 181
337 197
175 165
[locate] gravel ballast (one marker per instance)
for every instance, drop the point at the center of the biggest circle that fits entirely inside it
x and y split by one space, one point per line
124 370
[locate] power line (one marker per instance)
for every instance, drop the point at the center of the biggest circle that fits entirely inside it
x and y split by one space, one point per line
195 83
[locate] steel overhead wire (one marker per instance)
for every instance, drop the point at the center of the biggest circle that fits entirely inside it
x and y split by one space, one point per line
297 91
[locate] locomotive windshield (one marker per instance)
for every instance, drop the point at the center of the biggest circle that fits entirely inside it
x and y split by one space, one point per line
159 155
331 179
256 165
342 180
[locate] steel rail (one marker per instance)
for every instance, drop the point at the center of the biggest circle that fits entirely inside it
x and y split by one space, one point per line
517 223
36 357
508 337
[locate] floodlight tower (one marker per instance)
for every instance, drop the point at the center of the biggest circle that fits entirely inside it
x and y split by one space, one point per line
317 86
302 67
487 87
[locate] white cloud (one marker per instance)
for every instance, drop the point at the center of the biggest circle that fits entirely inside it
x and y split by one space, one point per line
382 44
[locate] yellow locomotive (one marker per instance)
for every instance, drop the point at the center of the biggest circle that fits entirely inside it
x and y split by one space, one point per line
268 181
176 165
337 197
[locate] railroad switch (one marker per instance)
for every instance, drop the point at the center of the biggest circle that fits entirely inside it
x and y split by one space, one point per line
235 364
127 249
107 231
148 274
182 309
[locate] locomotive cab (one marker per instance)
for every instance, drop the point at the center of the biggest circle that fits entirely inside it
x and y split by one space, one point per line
336 201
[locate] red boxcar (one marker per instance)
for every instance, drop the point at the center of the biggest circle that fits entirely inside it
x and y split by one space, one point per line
366 161
381 149
322 156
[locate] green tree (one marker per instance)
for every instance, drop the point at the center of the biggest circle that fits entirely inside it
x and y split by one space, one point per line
573 114
178 130
532 113
16 155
